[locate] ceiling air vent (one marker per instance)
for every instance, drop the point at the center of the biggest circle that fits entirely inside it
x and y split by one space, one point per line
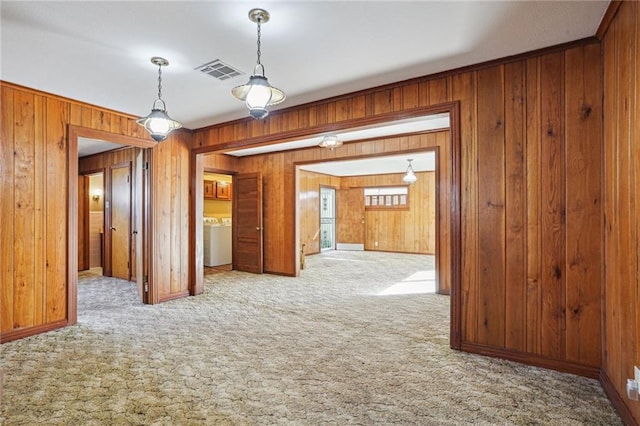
219 70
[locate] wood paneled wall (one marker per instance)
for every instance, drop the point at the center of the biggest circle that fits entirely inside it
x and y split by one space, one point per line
34 171
530 197
405 231
622 205
33 212
170 217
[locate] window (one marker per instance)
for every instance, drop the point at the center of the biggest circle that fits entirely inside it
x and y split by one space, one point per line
386 197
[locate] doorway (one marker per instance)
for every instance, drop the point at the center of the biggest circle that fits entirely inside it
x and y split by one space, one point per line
327 218
217 221
126 160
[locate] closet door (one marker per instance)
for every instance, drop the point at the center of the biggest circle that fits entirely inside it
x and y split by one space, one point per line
247 223
121 221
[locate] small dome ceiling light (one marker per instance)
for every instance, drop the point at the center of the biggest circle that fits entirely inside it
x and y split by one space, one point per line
257 92
158 123
330 142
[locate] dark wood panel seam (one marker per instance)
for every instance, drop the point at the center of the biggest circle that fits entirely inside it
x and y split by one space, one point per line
616 399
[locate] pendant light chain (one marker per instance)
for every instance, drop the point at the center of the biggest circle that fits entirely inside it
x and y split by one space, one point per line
259 33
160 82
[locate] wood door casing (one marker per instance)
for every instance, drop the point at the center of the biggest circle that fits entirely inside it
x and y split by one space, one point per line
247 223
121 221
350 226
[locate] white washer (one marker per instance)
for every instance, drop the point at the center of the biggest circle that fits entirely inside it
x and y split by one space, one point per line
217 245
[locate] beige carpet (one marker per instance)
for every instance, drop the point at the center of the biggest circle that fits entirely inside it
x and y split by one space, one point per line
325 348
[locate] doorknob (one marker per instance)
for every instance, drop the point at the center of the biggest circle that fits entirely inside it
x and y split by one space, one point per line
113 228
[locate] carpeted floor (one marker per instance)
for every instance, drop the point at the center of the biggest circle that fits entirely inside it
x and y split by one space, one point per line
324 348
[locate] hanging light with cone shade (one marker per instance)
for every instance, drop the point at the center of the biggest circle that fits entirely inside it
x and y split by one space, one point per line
158 123
257 92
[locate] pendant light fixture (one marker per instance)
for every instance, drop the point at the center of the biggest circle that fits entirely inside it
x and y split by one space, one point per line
409 177
158 123
330 142
258 93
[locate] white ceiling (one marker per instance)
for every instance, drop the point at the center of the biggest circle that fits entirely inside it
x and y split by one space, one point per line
422 162
99 52
89 146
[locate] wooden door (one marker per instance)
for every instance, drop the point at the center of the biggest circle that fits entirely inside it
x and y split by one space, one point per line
83 223
121 221
350 230
247 223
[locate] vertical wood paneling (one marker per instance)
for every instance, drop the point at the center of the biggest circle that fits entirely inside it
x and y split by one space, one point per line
552 206
442 140
24 218
622 214
162 217
533 172
40 196
583 203
406 231
464 89
7 203
491 168
56 225
515 256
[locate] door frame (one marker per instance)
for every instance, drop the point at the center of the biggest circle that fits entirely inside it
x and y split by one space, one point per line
74 132
455 188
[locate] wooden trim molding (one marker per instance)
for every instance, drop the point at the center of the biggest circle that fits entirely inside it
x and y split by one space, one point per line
616 399
85 132
172 296
529 359
32 331
323 128
609 14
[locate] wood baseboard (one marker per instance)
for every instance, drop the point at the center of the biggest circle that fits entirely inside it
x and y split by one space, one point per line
530 359
31 331
616 399
172 296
